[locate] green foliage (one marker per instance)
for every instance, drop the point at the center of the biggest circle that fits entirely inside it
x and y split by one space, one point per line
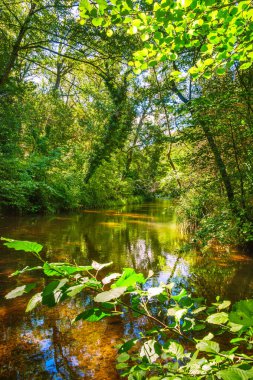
26 246
242 313
189 339
169 28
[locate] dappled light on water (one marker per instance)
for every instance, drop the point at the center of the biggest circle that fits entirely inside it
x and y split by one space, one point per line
44 344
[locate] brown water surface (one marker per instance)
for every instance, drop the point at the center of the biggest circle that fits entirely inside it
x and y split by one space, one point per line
44 344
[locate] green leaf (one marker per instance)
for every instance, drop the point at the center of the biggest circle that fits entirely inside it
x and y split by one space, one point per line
97 21
34 301
20 290
235 374
110 294
127 345
121 365
152 292
54 292
26 246
245 66
208 346
129 278
85 4
145 37
74 290
108 279
208 61
242 313
149 351
217 318
221 71
109 32
178 297
98 266
123 357
61 269
224 305
92 315
24 270
177 350
199 310
179 314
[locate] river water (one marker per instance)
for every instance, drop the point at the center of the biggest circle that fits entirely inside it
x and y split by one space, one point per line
43 344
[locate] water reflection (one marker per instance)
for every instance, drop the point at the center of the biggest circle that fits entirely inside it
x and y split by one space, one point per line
44 345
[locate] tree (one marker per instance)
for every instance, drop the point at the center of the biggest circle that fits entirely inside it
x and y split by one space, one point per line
219 33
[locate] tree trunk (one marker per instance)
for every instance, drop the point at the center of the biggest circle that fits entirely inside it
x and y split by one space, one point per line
16 47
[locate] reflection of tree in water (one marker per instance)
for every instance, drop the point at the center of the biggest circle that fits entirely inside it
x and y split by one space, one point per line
135 240
220 274
45 344
241 285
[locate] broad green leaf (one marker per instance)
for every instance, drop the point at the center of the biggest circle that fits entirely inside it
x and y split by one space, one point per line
26 246
217 318
246 65
178 297
110 294
152 292
26 269
98 266
176 349
20 290
234 327
109 32
208 61
224 305
242 313
33 302
97 21
108 279
209 336
127 345
75 289
85 4
145 37
92 315
199 310
61 269
148 349
221 70
179 314
121 365
235 374
238 340
123 357
54 292
208 346
129 278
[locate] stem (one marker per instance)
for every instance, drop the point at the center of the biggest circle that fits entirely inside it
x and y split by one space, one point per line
157 321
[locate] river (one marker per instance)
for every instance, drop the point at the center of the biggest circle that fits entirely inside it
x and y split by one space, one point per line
43 344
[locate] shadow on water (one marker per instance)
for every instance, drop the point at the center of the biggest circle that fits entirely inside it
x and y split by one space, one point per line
44 344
